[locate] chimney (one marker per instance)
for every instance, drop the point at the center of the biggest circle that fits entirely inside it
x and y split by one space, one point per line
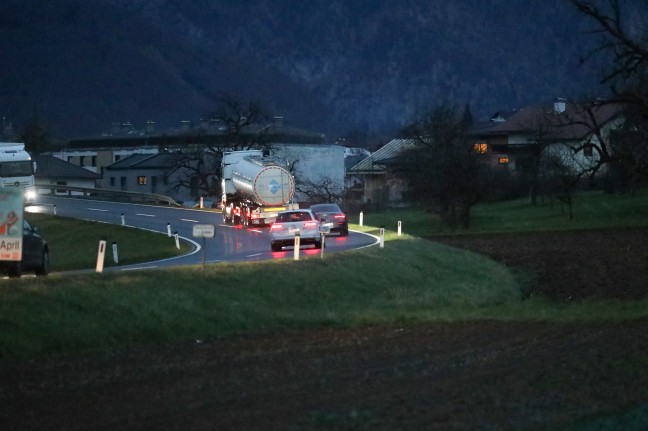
560 104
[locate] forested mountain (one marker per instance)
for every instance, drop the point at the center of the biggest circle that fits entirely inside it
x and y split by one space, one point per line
327 65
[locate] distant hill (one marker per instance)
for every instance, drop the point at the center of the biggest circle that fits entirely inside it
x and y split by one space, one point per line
331 66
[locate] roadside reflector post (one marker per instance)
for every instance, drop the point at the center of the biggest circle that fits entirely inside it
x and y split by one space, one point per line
322 245
169 230
361 217
382 237
297 242
201 202
101 255
54 209
177 240
115 254
123 219
399 227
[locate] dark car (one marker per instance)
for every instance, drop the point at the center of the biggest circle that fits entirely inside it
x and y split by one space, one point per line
332 216
35 255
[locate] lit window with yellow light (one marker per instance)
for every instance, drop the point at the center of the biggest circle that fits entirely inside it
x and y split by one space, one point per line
503 160
480 147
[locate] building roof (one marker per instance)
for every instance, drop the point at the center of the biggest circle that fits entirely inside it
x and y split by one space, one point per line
145 161
386 154
574 123
53 167
212 131
130 161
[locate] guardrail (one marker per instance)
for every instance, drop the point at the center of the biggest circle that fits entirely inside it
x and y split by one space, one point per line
106 195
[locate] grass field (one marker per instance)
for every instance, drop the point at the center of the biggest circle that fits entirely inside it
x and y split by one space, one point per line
410 280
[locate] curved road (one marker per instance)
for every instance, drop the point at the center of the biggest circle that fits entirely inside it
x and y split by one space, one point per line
229 243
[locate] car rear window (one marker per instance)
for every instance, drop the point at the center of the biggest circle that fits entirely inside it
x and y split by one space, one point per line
294 216
326 208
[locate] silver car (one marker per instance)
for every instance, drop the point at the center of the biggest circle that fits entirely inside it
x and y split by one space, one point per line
289 223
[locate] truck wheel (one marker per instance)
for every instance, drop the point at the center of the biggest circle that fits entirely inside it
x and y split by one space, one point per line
15 270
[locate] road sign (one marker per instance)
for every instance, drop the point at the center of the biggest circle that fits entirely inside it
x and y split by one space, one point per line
203 231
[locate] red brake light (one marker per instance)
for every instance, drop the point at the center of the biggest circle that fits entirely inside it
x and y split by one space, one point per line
310 224
339 216
276 226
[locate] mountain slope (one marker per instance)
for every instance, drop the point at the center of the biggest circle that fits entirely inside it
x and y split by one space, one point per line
330 66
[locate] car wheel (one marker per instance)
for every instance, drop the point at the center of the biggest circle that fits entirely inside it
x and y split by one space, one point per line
275 247
43 269
15 270
345 232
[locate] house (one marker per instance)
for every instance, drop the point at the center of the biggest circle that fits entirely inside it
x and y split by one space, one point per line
51 171
148 173
370 182
509 140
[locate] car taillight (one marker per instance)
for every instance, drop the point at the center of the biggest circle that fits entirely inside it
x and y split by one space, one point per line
339 217
276 226
310 224
254 215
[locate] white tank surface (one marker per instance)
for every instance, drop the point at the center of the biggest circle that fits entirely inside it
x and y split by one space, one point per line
263 181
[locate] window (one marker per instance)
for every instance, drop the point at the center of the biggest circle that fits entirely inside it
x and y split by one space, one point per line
141 180
93 161
81 160
112 181
62 184
480 147
503 160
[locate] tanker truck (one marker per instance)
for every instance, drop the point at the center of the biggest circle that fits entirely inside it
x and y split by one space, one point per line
254 188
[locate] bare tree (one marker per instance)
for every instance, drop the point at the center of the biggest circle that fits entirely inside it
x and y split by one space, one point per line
623 29
325 190
233 126
35 136
442 171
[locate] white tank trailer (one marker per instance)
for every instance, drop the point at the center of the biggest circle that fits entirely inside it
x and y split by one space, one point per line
255 188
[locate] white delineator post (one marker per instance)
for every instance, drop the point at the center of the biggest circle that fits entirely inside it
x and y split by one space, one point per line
297 242
361 217
123 220
115 253
382 237
169 230
399 227
101 254
177 240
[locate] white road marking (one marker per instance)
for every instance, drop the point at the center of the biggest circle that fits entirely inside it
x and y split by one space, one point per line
189 220
145 215
97 209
